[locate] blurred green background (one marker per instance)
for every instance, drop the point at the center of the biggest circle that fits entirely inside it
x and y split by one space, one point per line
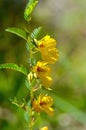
65 20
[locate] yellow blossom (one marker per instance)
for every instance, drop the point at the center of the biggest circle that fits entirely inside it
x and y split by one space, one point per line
42 71
43 103
47 47
44 128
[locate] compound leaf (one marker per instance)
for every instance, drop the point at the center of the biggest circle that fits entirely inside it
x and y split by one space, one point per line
36 33
29 9
18 31
15 67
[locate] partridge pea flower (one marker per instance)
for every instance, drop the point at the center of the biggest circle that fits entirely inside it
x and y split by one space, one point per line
44 128
47 47
42 71
43 103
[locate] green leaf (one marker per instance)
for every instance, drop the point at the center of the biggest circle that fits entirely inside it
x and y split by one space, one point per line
29 9
15 67
28 47
27 83
36 33
18 31
26 115
70 109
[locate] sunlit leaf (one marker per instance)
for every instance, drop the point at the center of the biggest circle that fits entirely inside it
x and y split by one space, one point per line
15 67
18 31
29 9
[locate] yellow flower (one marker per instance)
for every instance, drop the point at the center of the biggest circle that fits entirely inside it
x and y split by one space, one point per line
43 103
47 47
44 128
42 71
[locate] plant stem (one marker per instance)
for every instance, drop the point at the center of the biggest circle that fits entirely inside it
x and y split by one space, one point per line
31 98
31 116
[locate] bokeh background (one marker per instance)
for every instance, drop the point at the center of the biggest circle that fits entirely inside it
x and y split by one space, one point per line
65 20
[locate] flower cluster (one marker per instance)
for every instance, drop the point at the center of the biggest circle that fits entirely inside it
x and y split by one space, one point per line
49 53
41 73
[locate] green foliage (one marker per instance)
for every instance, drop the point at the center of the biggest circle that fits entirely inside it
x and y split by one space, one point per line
36 33
27 83
18 31
15 67
29 9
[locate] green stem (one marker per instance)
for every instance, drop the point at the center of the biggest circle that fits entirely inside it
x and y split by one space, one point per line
31 98
31 114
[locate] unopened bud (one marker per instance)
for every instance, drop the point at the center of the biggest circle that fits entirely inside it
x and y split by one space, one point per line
30 76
